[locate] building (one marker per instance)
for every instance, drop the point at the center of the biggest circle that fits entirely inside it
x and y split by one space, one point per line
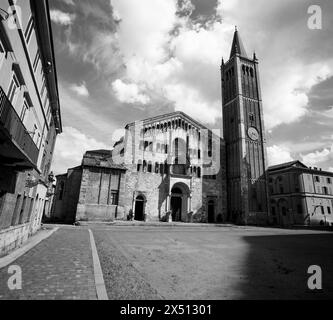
174 168
300 195
29 117
244 134
168 165
90 191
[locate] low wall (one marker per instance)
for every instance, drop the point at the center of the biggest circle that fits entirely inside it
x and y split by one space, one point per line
13 237
98 212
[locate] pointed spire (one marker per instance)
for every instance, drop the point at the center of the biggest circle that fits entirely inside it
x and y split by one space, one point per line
237 46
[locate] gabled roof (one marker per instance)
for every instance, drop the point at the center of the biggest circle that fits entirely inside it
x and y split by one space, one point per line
237 46
295 163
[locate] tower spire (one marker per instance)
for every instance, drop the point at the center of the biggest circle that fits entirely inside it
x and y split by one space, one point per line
237 46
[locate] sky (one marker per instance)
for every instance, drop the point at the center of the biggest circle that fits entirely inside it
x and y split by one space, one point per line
124 60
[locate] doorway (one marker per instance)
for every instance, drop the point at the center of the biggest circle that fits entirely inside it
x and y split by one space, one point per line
176 208
139 208
211 211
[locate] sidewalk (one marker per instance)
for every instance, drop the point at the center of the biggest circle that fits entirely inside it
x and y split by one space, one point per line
60 267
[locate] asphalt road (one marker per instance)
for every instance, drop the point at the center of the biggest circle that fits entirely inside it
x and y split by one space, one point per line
213 262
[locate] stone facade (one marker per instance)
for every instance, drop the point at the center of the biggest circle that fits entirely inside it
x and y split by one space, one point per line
92 191
173 169
300 195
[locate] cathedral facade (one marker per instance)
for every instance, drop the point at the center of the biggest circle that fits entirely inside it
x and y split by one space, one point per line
172 168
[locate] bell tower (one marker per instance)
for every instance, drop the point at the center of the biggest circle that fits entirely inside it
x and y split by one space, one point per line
244 134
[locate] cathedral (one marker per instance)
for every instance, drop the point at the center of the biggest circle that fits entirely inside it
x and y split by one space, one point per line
172 168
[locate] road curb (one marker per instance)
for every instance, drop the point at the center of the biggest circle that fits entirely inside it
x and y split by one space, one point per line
98 273
32 242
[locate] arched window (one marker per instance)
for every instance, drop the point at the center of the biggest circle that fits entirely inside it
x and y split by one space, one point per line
144 166
156 167
199 172
161 168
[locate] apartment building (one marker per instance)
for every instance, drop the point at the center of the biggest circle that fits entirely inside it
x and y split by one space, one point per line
30 117
300 195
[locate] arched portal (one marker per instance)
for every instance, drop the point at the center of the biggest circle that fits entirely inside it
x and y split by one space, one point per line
179 202
139 210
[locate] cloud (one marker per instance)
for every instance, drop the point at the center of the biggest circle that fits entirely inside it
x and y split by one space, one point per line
62 18
70 147
80 90
278 154
69 2
318 157
129 92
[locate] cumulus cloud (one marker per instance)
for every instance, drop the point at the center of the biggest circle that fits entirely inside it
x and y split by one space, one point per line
70 147
318 157
278 154
80 90
129 92
62 18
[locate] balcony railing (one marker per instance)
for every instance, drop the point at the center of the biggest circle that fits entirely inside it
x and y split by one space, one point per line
15 130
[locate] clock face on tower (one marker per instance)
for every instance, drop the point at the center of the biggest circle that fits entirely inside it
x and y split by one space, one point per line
253 133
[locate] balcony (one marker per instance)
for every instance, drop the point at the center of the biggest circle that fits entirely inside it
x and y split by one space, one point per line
17 148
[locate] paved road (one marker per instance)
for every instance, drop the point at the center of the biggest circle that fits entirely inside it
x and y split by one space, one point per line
213 263
176 263
60 267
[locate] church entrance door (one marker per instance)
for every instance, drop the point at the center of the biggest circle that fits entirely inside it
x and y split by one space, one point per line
139 208
176 208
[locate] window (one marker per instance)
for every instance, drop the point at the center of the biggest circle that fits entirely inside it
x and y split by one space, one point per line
199 173
16 210
13 89
317 179
325 190
36 61
281 189
329 181
114 197
166 149
199 154
139 166
322 210
2 52
150 167
251 117
61 190
29 29
24 110
156 167
43 87
328 210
